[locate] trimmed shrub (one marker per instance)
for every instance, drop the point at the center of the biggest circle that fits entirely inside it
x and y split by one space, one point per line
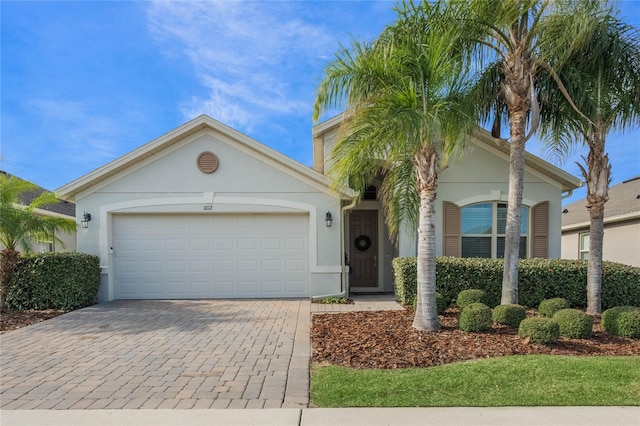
405 272
629 324
54 281
548 307
441 304
539 330
510 315
475 317
472 295
622 321
538 279
574 323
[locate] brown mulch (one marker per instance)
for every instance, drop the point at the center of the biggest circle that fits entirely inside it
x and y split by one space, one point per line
386 339
12 320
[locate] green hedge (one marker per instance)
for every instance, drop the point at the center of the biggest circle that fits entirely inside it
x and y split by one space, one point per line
574 323
511 315
622 321
54 281
548 307
475 317
469 296
539 329
539 279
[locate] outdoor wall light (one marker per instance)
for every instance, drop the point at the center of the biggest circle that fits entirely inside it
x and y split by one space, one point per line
328 220
86 218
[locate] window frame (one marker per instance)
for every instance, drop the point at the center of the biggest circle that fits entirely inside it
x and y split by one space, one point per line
582 251
494 229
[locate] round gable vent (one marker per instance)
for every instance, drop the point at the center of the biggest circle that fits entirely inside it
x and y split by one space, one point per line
207 162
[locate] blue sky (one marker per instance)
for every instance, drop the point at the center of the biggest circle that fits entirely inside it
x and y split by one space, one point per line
85 82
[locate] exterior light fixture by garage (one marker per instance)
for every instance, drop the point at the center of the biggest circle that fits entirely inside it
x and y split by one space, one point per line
328 220
86 218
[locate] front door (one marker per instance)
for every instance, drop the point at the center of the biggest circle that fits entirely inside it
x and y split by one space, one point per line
363 250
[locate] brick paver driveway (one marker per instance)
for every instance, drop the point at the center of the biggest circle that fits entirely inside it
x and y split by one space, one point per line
161 354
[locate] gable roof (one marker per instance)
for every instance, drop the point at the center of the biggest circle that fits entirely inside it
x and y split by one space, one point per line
202 122
568 181
62 207
624 203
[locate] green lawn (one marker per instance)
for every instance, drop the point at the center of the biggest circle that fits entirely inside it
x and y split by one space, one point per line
514 380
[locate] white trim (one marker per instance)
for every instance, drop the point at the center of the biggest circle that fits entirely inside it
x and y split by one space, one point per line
373 205
43 212
189 132
607 220
489 197
107 211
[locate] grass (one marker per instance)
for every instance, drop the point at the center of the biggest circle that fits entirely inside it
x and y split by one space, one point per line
531 380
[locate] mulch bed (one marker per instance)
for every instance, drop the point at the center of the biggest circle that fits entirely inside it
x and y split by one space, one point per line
385 339
12 320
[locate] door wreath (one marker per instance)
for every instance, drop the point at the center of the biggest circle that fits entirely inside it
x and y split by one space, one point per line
362 243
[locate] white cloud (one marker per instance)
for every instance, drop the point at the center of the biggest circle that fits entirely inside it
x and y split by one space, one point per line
246 54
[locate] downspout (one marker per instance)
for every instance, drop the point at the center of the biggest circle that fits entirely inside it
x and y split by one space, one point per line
343 210
570 192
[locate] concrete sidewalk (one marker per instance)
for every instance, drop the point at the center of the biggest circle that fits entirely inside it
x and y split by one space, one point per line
498 416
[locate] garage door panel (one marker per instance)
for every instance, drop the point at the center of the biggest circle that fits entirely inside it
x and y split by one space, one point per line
274 265
294 243
176 266
211 256
248 288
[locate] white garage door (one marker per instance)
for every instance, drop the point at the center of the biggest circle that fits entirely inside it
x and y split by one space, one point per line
211 256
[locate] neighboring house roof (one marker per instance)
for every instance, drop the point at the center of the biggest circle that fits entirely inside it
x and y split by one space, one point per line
202 122
623 204
63 207
568 181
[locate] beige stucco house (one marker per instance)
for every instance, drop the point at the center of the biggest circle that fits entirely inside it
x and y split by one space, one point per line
64 209
207 212
621 226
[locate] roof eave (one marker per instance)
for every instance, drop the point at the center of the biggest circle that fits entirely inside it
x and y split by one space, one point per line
568 181
70 190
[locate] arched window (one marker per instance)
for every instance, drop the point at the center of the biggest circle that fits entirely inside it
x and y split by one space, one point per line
482 229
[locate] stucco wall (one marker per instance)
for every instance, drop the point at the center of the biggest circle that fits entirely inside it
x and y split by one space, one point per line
621 242
170 182
481 175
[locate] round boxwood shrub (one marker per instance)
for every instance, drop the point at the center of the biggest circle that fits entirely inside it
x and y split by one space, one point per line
574 323
509 314
441 303
622 321
548 307
466 297
475 317
539 329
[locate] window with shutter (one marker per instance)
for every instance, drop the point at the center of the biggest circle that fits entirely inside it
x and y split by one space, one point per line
482 230
451 246
540 230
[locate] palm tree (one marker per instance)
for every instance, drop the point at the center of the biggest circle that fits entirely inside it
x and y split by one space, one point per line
510 42
20 226
603 79
404 119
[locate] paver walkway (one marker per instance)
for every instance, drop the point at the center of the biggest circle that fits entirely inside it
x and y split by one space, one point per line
161 354
361 302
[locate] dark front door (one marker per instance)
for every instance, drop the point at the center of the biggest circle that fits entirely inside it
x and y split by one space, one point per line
363 249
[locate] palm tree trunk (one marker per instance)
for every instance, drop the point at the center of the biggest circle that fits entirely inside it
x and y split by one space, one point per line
426 317
517 121
8 260
597 177
594 267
